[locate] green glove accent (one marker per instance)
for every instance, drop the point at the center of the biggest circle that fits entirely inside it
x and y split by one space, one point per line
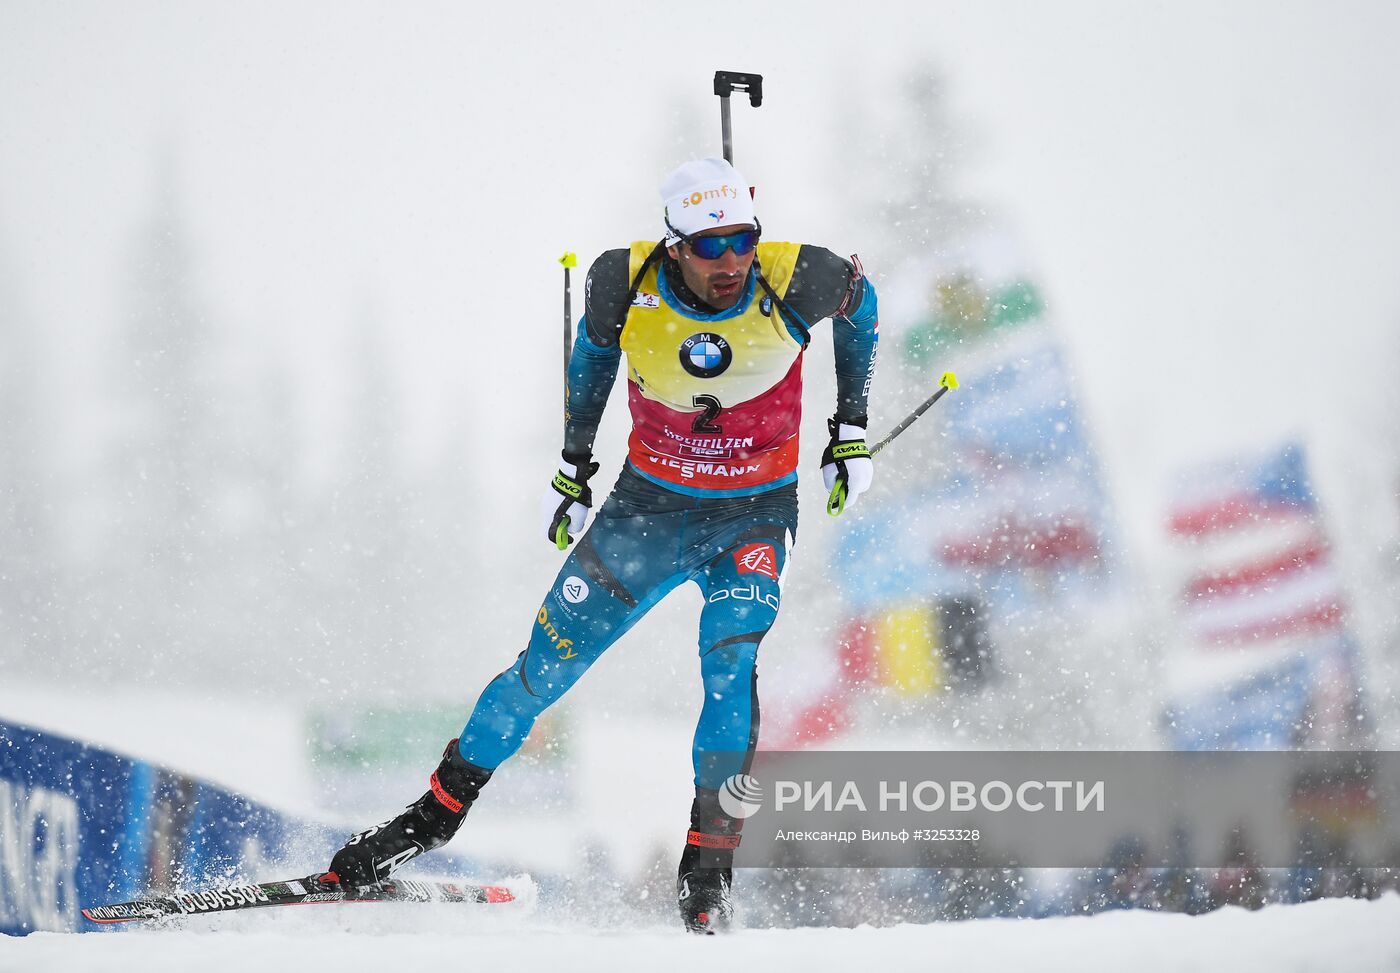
568 487
850 449
837 501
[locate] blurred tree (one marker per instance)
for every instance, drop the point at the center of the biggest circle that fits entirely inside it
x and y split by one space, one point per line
27 556
170 458
266 516
903 152
367 567
913 212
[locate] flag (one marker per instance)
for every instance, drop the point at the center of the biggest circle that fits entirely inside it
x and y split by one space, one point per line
1268 655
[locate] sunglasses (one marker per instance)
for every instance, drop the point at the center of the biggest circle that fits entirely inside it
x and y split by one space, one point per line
713 247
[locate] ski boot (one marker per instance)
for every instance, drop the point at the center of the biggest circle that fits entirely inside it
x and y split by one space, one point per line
372 856
706 872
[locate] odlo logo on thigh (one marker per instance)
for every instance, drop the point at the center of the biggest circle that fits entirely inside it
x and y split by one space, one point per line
751 593
563 645
757 559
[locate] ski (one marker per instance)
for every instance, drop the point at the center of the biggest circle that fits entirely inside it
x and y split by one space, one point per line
315 889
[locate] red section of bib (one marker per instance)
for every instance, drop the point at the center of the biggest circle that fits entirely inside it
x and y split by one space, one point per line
743 445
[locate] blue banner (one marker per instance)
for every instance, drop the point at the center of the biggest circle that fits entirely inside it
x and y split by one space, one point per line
80 826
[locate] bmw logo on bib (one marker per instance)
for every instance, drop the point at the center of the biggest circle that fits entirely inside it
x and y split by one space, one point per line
705 355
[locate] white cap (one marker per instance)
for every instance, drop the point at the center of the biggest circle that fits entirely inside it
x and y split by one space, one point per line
703 194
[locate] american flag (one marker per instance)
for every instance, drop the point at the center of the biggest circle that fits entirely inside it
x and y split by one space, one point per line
1268 659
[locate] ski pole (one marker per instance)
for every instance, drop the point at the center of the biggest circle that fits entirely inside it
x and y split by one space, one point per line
569 261
560 529
725 83
946 382
837 501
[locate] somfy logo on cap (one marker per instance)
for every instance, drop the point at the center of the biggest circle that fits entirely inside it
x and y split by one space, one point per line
718 192
740 796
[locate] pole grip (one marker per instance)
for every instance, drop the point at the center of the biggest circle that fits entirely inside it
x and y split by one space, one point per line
726 83
730 81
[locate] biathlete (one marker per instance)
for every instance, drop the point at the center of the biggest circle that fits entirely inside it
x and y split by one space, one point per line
713 322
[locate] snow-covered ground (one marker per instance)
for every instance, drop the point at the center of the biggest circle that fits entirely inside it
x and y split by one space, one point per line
1328 935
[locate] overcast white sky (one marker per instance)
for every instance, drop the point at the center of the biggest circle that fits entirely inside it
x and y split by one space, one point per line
1207 192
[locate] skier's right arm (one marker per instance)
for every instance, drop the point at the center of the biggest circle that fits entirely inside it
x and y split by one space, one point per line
592 371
